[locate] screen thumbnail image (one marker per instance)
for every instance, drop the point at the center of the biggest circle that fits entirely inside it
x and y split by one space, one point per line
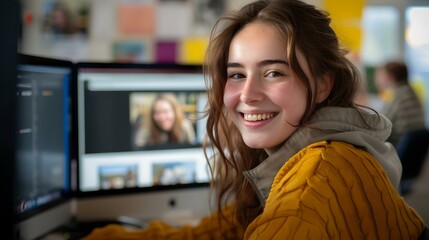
160 118
118 176
173 173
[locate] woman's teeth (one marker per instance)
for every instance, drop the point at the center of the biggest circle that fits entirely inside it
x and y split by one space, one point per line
258 117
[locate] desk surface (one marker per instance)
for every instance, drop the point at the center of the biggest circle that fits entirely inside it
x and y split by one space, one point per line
77 230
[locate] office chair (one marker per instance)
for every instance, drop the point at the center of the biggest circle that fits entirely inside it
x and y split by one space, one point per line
412 149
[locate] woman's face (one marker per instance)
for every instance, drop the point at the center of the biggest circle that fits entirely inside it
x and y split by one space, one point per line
163 115
263 97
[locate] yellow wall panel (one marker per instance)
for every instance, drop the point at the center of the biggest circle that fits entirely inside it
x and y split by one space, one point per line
346 21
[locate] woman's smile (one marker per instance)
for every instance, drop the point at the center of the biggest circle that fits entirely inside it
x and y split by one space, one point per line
257 117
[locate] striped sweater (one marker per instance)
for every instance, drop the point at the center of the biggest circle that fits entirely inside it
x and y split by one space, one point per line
405 112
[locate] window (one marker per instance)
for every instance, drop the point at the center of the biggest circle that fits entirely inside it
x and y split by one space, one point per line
417 51
381 37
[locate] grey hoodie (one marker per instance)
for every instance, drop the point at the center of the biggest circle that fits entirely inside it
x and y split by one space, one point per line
362 129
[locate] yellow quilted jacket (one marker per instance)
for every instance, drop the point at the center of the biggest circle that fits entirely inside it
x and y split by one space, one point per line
328 190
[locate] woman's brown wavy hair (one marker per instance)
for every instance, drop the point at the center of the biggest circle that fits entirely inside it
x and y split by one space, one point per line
302 27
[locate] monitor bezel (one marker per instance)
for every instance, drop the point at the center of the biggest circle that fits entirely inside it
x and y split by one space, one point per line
138 67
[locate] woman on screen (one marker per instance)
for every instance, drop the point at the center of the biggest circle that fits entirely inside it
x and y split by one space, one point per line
295 158
167 124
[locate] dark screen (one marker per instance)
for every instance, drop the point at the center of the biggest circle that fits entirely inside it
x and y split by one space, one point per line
42 135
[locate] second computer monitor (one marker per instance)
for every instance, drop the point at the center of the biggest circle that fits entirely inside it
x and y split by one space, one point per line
140 129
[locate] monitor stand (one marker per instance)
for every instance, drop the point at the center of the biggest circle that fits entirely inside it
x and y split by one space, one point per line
177 207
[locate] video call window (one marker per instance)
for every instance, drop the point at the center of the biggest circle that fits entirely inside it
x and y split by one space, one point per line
140 128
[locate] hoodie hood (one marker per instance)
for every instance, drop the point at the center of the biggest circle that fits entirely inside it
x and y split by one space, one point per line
362 129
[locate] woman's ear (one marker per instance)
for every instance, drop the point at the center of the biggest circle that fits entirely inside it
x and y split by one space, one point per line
324 87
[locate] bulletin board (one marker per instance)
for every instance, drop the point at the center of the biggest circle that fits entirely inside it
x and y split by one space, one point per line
153 31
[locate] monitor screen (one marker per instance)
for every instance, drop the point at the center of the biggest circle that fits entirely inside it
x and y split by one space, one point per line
43 133
140 128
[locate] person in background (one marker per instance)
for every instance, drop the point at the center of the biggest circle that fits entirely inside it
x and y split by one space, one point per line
294 157
402 105
167 124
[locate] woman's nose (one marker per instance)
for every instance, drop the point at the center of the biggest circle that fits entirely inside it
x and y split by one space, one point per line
252 90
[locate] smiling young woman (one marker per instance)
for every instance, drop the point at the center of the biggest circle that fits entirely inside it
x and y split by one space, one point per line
295 158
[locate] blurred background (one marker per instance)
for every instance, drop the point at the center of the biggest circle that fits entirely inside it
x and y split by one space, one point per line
177 31
375 31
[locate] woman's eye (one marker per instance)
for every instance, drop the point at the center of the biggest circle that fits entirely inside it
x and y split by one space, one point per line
235 76
274 74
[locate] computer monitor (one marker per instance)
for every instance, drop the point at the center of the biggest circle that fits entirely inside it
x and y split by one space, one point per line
42 157
129 161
